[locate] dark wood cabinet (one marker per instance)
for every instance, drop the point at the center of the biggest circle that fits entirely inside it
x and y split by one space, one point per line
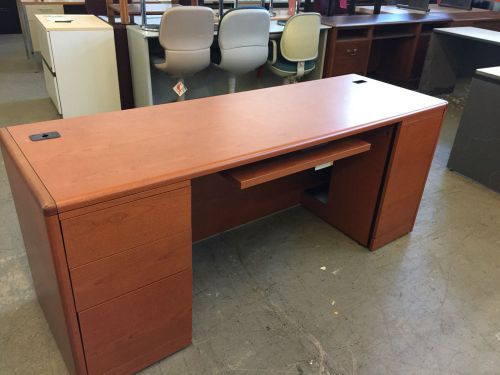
9 17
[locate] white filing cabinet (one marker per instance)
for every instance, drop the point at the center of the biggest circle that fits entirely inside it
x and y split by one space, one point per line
79 63
34 9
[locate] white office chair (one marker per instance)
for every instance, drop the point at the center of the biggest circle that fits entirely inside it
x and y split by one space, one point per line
242 42
298 47
186 34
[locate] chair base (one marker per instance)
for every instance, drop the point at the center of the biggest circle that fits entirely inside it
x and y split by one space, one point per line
232 84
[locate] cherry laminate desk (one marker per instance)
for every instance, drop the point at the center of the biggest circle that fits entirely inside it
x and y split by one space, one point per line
109 210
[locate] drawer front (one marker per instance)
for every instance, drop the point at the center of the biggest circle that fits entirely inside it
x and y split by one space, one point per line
109 231
349 66
351 57
135 330
32 10
354 49
51 86
107 278
44 46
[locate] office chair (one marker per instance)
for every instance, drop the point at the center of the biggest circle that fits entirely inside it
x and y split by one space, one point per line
298 48
186 34
242 42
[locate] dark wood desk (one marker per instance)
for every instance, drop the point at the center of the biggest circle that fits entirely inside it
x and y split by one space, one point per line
476 17
109 210
390 47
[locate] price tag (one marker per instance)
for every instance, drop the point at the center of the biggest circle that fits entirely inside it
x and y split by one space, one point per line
180 89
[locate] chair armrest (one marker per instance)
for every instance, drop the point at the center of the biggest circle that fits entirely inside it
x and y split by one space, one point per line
273 52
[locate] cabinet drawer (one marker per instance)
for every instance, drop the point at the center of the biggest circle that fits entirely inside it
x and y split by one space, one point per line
98 234
44 45
349 66
32 10
132 331
51 86
352 49
107 278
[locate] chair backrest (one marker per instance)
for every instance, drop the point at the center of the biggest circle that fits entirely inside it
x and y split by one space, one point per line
186 34
187 28
300 38
243 39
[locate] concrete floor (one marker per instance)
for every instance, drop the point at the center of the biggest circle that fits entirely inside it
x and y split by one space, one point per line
428 303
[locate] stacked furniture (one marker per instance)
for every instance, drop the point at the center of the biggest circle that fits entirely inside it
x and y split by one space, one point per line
79 64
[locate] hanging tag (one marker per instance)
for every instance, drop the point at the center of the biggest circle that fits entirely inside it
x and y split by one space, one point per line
180 89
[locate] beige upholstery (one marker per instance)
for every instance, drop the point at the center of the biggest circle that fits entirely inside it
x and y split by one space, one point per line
298 47
243 41
301 37
186 34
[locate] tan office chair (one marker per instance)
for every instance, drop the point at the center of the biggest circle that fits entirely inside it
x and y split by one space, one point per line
298 47
186 34
243 40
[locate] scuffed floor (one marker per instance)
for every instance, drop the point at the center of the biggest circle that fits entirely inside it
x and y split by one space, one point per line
291 295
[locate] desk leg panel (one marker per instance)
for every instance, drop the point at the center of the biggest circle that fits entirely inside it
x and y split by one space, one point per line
412 153
46 256
355 186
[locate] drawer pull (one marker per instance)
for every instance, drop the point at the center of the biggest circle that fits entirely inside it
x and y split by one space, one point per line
352 51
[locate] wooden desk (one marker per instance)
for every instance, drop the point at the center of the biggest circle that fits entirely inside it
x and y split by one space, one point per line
457 52
390 47
483 18
108 210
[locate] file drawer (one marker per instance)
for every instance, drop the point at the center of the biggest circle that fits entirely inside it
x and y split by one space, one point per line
51 86
351 57
45 47
108 231
351 49
130 332
107 278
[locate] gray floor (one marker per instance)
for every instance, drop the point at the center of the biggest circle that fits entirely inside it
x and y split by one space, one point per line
291 295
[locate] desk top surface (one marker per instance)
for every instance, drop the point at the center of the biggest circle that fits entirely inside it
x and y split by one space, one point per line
114 154
72 22
474 33
53 2
454 13
274 28
383 19
493 73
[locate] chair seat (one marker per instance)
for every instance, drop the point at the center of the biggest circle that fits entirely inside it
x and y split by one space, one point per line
289 67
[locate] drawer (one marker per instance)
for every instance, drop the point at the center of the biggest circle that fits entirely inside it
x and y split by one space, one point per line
109 231
352 49
44 45
349 66
51 86
107 278
131 332
32 10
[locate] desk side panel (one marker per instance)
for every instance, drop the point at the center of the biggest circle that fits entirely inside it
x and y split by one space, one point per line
46 256
411 158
